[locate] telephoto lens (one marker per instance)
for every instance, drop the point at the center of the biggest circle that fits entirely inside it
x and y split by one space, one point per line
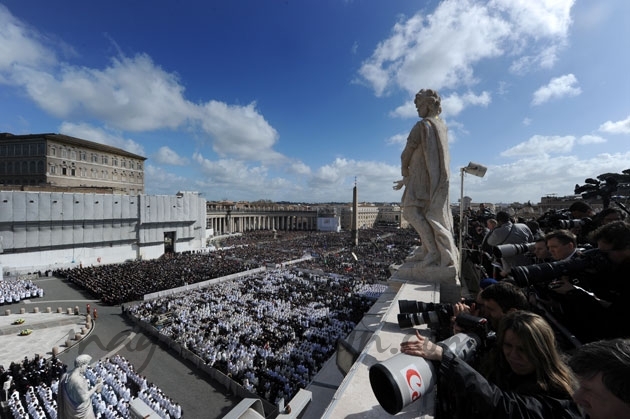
411 306
407 320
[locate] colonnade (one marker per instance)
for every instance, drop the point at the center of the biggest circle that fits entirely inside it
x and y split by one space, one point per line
224 222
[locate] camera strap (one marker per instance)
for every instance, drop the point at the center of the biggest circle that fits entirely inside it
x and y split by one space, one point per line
506 237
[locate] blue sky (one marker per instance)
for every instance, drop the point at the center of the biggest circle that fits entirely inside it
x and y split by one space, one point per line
292 100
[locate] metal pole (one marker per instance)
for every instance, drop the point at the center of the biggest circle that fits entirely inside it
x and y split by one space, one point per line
461 224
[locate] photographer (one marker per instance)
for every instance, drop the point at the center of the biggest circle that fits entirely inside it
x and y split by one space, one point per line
596 312
603 373
500 299
562 244
609 215
580 210
508 232
541 251
530 380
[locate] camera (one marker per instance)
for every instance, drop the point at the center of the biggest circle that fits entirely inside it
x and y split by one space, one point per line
568 224
551 218
587 262
403 379
417 313
597 187
508 250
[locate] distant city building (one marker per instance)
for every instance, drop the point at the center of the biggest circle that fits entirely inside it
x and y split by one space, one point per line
59 163
371 215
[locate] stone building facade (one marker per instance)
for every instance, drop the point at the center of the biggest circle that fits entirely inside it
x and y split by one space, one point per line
59 162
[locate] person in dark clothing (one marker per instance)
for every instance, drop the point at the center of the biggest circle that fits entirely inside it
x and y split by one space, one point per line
529 379
599 308
603 373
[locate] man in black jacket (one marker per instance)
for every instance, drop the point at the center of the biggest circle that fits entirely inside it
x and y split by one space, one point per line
603 372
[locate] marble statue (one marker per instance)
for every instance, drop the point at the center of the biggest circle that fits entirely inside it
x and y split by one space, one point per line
425 170
75 398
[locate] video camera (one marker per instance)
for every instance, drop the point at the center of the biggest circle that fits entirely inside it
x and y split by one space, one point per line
588 262
403 379
595 187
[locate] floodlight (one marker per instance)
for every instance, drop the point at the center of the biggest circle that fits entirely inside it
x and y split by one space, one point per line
475 169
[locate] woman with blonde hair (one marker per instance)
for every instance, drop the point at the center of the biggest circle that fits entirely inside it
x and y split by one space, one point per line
528 379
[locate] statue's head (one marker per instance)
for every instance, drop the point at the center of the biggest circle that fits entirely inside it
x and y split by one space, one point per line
431 99
82 361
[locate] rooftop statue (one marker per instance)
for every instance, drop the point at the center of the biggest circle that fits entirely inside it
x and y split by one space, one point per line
425 170
75 398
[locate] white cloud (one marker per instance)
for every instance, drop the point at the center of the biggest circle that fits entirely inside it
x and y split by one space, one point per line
165 155
591 139
453 104
100 135
397 139
618 127
527 121
131 93
21 44
414 54
374 179
538 177
299 168
540 145
161 182
240 131
559 87
539 19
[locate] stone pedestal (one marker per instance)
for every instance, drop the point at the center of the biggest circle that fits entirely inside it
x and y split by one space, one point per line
7 312
36 310
59 310
55 350
48 310
70 311
446 277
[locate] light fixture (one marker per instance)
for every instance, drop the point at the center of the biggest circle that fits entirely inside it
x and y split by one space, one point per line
475 169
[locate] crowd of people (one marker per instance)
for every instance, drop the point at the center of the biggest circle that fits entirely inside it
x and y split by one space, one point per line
556 301
15 290
34 389
31 382
330 252
118 283
572 264
271 332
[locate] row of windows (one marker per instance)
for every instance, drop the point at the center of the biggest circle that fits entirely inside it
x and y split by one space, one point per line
69 153
116 175
20 182
16 150
21 167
